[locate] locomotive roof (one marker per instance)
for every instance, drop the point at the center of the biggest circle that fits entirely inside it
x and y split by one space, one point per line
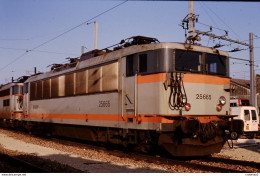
114 55
8 85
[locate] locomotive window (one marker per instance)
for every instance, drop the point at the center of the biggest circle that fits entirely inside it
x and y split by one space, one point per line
33 90
69 85
130 66
94 80
54 87
25 88
21 89
216 64
61 89
110 77
39 90
46 89
5 92
247 115
187 61
253 114
17 90
14 90
81 82
6 102
142 63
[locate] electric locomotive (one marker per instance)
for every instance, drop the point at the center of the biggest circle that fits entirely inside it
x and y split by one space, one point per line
142 93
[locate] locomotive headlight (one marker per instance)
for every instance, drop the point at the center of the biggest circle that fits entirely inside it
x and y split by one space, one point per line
184 100
222 100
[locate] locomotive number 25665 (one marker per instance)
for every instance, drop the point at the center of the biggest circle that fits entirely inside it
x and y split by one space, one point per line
203 96
104 104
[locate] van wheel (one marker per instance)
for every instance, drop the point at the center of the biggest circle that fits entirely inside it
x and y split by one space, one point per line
234 135
250 136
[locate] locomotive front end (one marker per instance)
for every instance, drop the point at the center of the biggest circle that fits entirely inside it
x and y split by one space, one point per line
190 101
198 102
199 107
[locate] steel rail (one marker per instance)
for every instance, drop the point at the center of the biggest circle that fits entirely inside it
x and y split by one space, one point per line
19 162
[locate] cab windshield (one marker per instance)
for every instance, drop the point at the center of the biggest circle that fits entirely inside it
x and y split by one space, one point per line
216 64
204 63
187 61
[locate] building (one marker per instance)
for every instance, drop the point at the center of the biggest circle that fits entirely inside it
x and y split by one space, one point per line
241 89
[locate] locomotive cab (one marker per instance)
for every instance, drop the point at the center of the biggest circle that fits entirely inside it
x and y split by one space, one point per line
184 92
11 98
17 98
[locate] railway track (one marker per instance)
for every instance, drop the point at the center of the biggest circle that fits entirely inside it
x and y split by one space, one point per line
215 163
114 155
18 165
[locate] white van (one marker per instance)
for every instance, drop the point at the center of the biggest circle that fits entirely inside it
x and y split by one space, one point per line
250 117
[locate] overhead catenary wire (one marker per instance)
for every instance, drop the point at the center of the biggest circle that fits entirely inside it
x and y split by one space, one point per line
211 26
255 38
10 39
202 5
14 60
85 22
247 60
41 51
257 60
240 71
67 31
239 63
236 63
222 21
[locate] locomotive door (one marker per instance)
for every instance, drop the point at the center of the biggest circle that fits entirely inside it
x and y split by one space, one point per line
129 89
129 100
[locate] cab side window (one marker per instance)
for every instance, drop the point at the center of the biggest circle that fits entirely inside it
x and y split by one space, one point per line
130 65
142 63
253 114
6 102
247 115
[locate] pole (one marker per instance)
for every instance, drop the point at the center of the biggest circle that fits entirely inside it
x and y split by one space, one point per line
96 35
82 49
191 20
252 72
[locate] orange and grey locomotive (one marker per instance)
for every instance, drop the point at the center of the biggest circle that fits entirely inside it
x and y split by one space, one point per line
142 93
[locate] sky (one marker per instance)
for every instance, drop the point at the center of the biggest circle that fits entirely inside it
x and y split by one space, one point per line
38 33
